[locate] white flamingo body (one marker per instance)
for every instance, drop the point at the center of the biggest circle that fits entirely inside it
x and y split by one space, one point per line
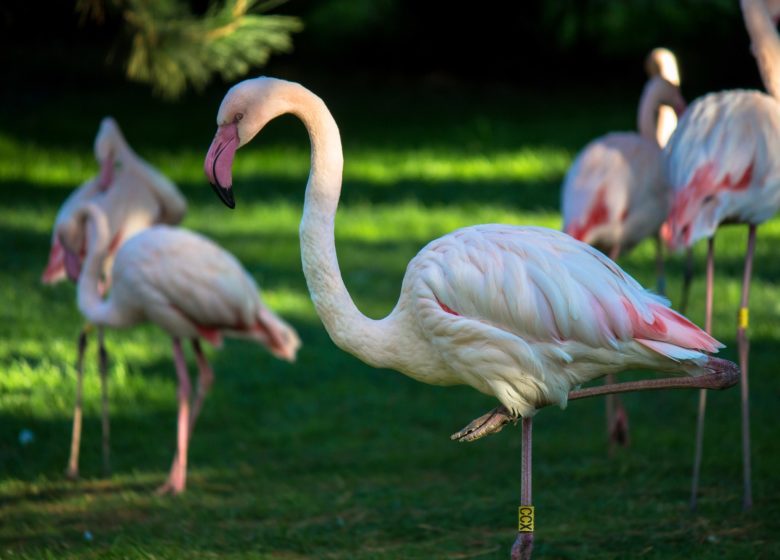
191 288
526 314
615 194
722 164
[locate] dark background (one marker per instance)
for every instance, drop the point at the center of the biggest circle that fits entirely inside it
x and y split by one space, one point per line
534 44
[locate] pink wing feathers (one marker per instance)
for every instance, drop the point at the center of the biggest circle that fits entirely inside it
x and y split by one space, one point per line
722 164
498 300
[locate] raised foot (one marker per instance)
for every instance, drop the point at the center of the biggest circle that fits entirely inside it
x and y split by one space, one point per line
618 432
523 547
490 423
724 374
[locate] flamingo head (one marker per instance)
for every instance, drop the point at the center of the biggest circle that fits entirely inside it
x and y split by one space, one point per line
108 142
693 216
245 110
662 62
70 236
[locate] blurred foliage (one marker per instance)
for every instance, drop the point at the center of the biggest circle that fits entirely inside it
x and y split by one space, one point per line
171 47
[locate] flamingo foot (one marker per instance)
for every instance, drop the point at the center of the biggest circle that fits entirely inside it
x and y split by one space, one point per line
618 433
171 487
523 547
72 473
490 423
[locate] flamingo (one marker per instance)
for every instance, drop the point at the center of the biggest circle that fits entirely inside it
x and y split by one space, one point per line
615 193
722 165
134 196
524 314
191 288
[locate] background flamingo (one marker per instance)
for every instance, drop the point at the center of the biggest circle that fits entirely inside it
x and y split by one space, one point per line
189 287
615 193
523 314
723 166
134 196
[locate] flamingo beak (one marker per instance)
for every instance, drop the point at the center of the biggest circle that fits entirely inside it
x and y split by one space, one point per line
106 173
55 268
219 162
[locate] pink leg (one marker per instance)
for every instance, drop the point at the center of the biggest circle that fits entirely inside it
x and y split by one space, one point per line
103 369
617 419
524 543
72 472
744 356
177 479
703 394
723 374
687 280
205 380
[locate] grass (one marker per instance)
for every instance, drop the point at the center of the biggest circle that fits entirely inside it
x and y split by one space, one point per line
329 458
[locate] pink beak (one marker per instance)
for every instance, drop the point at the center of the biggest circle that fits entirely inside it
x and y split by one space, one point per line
106 173
219 162
55 268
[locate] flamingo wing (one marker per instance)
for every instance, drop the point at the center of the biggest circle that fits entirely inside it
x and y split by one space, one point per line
176 275
722 164
528 313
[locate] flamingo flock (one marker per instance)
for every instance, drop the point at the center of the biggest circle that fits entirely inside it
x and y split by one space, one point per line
526 315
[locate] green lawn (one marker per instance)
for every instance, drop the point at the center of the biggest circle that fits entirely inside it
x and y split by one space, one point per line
329 458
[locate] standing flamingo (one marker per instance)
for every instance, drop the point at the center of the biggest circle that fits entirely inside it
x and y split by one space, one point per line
521 313
722 164
134 196
615 193
189 287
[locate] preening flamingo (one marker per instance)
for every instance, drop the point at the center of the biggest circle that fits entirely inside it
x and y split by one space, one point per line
615 193
134 196
191 288
722 164
521 313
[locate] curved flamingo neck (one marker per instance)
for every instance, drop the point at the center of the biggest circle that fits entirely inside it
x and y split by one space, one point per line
765 43
654 122
90 302
352 331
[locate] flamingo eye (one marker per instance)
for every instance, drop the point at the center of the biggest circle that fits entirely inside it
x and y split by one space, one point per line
238 117
707 199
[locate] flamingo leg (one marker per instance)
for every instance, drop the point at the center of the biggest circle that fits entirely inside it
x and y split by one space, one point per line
723 374
106 428
703 394
687 280
524 543
660 268
177 479
72 472
205 380
744 356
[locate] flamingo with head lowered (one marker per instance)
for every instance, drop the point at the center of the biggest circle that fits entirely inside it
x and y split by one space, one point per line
133 195
722 164
192 289
615 193
524 314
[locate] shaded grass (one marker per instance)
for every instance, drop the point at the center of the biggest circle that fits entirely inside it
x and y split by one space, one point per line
329 458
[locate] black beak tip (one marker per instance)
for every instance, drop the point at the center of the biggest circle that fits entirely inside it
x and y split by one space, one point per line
225 195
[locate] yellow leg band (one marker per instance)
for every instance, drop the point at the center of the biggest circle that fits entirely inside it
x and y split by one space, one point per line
525 519
743 317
